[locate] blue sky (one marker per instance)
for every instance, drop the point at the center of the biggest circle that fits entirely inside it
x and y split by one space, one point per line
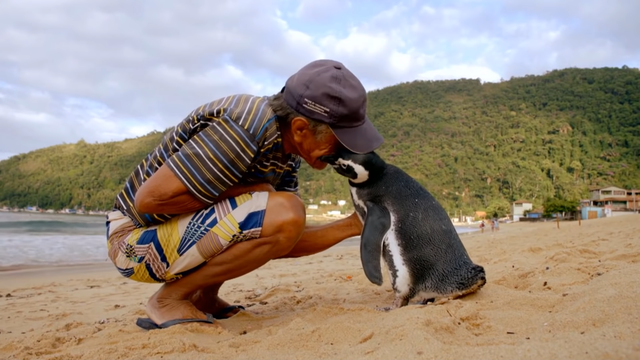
111 69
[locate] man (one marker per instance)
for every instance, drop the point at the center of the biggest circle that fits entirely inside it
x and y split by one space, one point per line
217 198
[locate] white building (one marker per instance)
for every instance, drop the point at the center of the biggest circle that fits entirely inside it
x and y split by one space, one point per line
519 207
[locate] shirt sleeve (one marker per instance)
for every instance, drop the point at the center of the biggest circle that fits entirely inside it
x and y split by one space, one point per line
289 180
214 159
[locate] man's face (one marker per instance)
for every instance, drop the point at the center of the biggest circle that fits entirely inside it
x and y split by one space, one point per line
311 149
314 149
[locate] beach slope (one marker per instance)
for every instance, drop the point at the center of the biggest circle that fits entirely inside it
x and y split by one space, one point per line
569 293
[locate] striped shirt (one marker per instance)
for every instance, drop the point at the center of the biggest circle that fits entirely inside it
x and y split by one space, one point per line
228 141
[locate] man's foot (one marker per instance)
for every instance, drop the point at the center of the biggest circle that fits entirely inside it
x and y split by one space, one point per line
161 309
210 302
148 324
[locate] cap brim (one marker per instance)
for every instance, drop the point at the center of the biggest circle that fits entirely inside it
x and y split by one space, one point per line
360 139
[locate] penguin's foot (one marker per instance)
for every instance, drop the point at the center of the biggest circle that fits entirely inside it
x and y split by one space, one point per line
472 289
427 301
398 302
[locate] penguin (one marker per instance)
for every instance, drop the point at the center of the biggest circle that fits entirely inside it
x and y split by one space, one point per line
404 225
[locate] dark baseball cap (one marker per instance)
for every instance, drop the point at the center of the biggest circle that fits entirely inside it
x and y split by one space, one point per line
326 91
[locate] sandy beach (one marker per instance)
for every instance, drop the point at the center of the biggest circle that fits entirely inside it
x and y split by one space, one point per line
568 293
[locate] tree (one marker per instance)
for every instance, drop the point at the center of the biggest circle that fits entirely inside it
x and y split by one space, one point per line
473 146
498 208
559 206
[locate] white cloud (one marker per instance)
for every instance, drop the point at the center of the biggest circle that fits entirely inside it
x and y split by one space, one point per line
109 69
34 119
314 10
375 57
426 9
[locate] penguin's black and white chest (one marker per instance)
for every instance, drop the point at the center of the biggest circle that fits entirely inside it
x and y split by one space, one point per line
381 239
358 203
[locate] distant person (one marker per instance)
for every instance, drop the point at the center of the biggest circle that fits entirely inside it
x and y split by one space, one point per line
217 198
493 225
482 225
496 224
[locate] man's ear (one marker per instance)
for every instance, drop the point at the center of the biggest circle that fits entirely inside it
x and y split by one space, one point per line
299 126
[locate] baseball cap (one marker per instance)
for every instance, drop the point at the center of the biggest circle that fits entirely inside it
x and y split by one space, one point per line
326 91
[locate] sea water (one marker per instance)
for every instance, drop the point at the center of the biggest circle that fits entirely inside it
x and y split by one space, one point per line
57 239
50 239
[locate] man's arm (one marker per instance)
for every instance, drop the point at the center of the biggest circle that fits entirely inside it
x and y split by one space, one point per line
318 238
164 193
206 169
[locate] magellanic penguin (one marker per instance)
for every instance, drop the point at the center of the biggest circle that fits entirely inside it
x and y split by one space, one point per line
405 225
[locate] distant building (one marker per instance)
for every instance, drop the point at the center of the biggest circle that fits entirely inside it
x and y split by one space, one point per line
480 215
312 206
325 202
615 198
519 207
591 212
333 213
342 202
534 214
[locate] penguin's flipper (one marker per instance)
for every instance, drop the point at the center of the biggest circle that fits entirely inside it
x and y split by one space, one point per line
376 225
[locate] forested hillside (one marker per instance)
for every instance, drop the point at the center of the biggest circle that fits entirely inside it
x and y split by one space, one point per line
474 146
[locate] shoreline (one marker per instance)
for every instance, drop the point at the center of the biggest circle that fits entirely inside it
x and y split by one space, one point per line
67 267
57 212
349 242
15 269
70 267
77 240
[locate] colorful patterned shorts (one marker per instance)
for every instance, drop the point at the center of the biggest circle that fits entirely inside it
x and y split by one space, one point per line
166 252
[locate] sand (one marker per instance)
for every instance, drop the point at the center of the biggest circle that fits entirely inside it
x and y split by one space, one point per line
568 293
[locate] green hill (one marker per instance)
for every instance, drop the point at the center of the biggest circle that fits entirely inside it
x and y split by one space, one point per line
474 146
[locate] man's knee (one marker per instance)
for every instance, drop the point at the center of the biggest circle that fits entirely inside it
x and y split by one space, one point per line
285 219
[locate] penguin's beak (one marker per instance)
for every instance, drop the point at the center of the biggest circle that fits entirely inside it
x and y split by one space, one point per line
329 159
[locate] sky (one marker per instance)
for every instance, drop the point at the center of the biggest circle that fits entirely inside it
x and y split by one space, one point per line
106 70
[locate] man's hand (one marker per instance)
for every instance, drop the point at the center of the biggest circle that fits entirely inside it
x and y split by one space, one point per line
356 223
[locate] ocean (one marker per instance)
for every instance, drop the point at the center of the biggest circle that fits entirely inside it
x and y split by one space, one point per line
31 239
51 239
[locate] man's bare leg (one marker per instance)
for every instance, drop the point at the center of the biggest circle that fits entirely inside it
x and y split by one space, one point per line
282 227
314 239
